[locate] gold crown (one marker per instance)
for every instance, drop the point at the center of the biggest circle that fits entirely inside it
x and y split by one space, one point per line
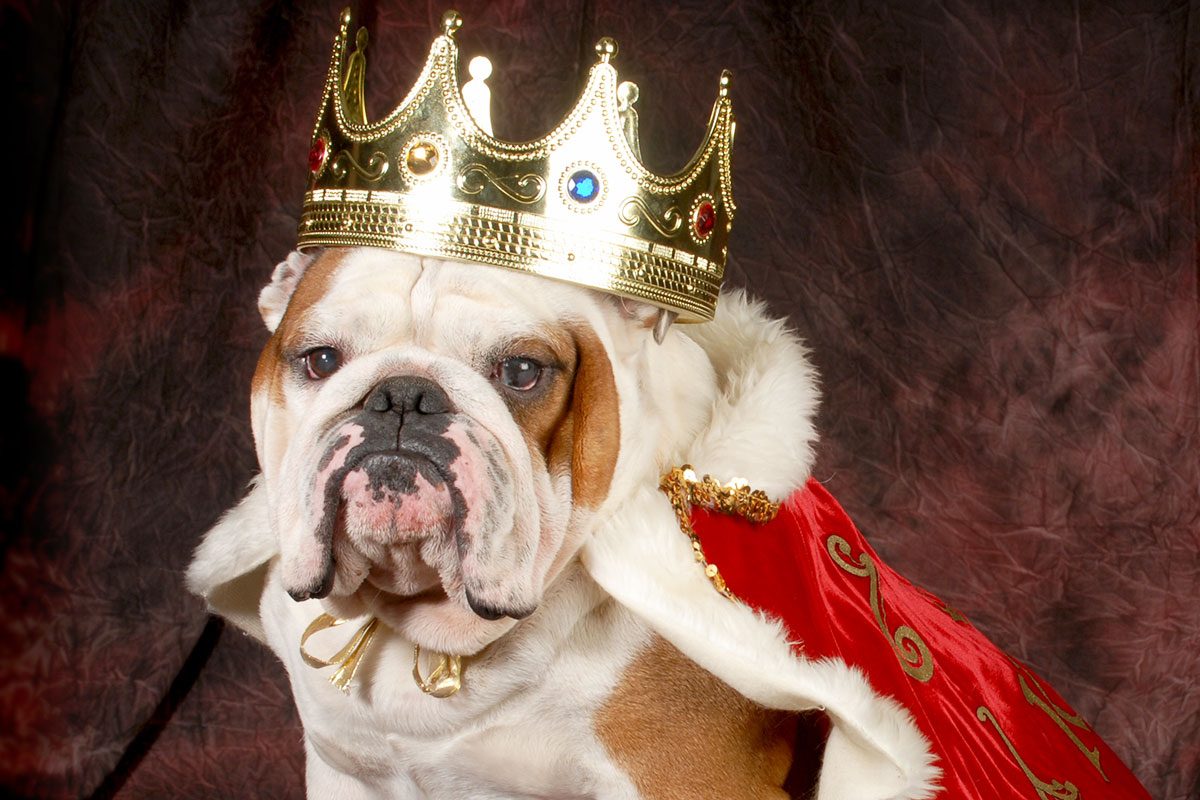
577 204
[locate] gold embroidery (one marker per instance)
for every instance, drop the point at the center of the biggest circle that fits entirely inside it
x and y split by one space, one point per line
941 605
910 649
1056 790
348 658
1036 695
683 489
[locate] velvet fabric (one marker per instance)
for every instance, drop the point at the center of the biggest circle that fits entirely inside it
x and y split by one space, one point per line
981 217
996 728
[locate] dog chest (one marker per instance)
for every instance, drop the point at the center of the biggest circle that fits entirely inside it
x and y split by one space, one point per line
524 724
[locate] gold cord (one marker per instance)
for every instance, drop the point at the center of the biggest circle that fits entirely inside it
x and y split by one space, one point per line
348 658
446 678
683 489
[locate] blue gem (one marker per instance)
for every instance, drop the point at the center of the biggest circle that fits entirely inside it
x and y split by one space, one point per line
583 186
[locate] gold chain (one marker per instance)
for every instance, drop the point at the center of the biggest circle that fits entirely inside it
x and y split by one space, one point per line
683 489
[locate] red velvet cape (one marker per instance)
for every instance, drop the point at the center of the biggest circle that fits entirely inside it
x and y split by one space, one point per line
997 729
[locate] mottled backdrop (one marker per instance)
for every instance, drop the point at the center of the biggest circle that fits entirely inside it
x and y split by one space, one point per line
981 215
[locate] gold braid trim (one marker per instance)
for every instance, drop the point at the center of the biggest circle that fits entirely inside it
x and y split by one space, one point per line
684 490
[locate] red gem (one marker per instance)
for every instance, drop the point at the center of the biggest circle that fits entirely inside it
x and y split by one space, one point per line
316 156
705 219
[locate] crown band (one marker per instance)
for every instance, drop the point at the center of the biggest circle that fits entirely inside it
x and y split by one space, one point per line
576 205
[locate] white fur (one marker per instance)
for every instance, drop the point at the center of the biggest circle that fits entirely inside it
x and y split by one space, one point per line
735 397
760 429
227 569
273 299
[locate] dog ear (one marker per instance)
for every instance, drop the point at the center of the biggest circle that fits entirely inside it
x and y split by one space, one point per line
273 299
659 320
594 426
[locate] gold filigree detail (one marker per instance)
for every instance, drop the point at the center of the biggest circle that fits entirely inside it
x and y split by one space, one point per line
683 489
630 215
941 605
1055 790
527 188
909 647
445 679
353 94
337 217
1036 695
595 129
348 658
343 162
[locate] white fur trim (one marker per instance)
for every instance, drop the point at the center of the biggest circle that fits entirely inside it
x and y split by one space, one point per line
643 560
760 429
761 425
229 568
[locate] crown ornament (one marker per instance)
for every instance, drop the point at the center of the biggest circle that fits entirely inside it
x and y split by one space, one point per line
575 205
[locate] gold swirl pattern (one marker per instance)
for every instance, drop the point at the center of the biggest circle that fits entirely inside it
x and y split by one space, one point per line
348 658
910 649
1055 790
669 225
360 208
1036 696
343 162
527 188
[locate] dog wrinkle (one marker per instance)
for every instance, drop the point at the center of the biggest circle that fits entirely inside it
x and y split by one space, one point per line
680 732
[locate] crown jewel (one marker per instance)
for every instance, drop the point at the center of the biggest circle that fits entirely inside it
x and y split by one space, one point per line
576 204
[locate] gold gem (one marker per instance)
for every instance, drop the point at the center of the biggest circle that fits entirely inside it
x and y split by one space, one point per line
422 158
711 570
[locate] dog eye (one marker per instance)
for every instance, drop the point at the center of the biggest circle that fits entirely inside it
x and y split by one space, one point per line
518 373
322 362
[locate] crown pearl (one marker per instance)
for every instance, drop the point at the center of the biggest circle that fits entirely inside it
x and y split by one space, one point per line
606 48
726 82
451 22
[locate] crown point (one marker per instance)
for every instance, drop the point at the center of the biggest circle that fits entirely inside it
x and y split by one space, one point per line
627 94
726 82
451 22
606 48
346 16
480 68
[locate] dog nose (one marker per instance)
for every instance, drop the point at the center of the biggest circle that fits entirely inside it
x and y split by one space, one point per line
406 393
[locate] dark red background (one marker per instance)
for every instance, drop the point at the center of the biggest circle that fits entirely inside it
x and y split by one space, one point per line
981 216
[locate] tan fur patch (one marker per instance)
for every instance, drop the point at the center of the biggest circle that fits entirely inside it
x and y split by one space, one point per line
312 287
589 436
679 732
539 420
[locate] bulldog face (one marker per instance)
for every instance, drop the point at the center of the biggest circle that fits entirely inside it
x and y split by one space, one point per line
433 437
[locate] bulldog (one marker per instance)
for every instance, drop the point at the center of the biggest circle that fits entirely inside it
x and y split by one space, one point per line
459 550
439 443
